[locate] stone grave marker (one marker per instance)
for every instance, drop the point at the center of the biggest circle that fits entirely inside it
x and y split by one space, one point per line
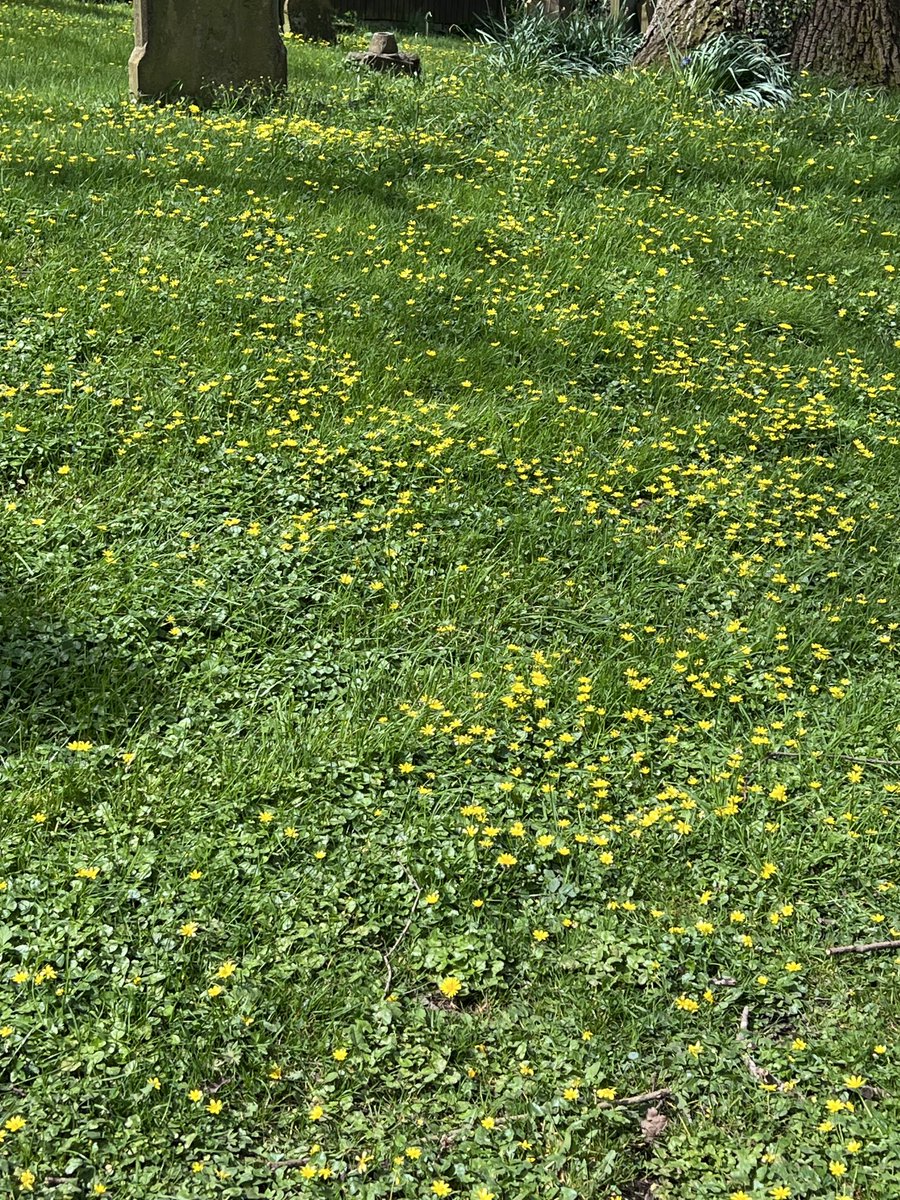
194 49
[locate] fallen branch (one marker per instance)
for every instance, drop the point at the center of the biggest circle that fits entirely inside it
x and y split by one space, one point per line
643 1098
863 762
402 934
863 948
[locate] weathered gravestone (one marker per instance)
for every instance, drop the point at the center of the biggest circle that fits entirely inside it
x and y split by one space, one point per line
312 20
193 49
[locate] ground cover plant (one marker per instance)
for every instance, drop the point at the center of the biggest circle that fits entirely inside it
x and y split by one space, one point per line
448 611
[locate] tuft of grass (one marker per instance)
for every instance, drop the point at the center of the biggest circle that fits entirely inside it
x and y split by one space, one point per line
579 42
733 69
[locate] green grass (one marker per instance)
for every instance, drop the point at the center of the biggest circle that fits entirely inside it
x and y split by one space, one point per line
398 482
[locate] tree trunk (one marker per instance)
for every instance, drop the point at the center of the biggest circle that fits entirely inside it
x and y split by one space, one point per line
678 25
855 40
858 41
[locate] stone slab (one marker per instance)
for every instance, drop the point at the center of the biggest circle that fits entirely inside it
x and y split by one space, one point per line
194 49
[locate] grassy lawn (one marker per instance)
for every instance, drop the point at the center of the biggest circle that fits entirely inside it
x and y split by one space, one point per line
448 635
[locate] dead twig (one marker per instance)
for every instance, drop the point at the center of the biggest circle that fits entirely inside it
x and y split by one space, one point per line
389 975
864 762
643 1098
863 948
759 1073
402 934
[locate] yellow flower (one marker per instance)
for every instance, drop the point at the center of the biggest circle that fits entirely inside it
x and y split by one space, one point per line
768 870
226 970
440 1188
80 747
540 935
484 1194
214 1106
854 1081
449 986
739 1196
413 1152
195 1095
506 860
779 1192
316 1113
793 966
695 1048
87 872
26 1180
188 929
686 1004
488 1122
154 1082
605 1094
14 1124
837 1169
266 817
340 1054
432 897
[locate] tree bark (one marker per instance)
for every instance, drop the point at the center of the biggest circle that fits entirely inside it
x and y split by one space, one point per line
857 41
679 25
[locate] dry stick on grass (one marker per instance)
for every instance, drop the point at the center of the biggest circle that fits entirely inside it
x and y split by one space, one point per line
862 948
643 1098
758 1072
864 762
403 932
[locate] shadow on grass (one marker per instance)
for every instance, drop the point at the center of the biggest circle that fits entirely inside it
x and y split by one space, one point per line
59 683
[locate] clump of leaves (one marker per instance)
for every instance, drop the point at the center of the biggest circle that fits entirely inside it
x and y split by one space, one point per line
736 70
574 43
